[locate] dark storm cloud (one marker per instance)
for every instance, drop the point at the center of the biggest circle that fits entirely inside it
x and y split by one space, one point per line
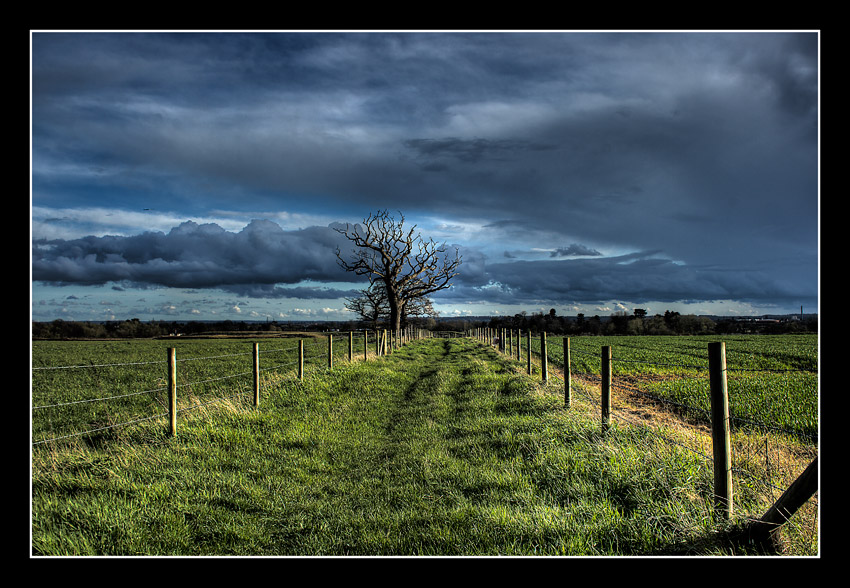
702 147
200 256
638 278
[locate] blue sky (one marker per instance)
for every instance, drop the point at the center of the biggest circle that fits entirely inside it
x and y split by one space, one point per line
191 175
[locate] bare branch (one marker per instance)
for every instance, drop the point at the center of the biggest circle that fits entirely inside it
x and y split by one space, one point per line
408 267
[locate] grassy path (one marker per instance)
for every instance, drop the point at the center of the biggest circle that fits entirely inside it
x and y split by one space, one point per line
438 449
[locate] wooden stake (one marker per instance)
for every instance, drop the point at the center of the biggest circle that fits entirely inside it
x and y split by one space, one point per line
172 391
256 374
301 359
606 388
544 357
568 392
720 428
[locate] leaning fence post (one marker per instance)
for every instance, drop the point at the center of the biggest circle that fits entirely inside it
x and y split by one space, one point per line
766 530
544 359
256 374
606 388
172 390
720 428
301 359
567 377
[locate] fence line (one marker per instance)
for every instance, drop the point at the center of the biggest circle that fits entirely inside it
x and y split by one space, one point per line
540 368
316 349
507 342
719 417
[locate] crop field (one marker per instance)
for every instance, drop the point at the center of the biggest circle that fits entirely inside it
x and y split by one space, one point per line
772 379
443 447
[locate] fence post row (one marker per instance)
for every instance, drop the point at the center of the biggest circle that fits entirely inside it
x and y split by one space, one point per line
719 397
762 530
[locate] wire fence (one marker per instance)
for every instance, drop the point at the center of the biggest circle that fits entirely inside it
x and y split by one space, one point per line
94 400
661 398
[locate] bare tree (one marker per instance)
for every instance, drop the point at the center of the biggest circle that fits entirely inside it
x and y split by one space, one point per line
408 267
371 306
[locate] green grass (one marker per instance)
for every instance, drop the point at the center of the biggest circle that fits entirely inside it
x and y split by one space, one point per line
88 385
441 448
772 379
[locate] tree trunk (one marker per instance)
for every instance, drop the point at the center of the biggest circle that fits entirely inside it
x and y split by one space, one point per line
395 311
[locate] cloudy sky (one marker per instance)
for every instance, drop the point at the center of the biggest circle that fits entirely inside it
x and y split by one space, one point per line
188 175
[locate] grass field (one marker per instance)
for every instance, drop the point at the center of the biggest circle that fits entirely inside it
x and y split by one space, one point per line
442 448
772 379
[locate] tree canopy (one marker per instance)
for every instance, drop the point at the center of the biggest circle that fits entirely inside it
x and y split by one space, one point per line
399 263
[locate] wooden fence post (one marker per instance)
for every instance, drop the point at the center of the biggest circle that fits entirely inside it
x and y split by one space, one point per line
350 346
301 359
720 428
330 351
172 391
518 344
567 377
765 531
544 358
606 388
528 349
256 374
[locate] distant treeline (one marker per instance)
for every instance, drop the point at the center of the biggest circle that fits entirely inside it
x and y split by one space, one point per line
135 328
639 323
670 323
